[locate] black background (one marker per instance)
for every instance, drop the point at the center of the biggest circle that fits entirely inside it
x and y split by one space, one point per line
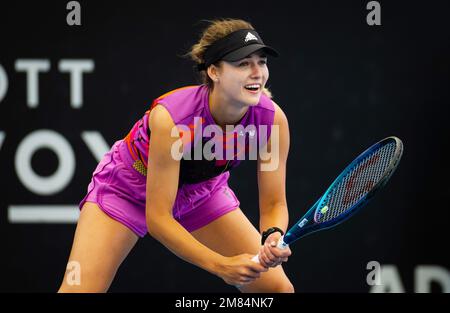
342 84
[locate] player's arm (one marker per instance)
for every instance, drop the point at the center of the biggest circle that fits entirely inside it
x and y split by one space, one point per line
272 176
162 186
272 188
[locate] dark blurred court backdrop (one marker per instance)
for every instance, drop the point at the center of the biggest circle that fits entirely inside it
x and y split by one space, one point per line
67 93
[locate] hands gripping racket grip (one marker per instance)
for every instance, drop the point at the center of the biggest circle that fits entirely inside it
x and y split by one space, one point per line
280 245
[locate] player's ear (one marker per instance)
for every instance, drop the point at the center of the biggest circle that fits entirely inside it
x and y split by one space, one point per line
213 71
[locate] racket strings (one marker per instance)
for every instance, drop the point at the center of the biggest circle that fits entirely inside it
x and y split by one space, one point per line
357 183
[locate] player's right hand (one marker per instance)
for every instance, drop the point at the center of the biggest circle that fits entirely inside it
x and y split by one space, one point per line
240 270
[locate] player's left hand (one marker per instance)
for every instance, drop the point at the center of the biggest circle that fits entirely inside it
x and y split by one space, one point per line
270 255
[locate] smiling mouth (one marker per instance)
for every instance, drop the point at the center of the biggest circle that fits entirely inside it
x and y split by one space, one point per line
253 88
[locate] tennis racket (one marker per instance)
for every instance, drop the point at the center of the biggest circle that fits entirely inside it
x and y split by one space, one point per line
350 191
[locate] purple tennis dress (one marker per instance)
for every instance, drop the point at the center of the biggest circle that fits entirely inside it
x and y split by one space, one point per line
118 184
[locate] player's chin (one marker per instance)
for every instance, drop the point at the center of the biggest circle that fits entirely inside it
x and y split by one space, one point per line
251 98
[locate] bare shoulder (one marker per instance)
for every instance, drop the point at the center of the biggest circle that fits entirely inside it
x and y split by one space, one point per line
160 119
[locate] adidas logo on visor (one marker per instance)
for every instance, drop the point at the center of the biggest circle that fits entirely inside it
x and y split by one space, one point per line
250 36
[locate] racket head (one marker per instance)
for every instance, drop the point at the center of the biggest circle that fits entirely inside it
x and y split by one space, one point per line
352 189
359 182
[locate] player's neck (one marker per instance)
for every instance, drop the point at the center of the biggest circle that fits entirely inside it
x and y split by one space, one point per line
224 111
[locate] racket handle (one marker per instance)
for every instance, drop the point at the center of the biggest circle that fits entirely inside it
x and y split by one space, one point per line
280 245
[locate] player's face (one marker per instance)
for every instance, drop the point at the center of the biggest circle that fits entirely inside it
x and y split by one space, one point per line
243 81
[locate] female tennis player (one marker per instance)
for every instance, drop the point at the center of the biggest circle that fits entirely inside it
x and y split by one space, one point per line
143 186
